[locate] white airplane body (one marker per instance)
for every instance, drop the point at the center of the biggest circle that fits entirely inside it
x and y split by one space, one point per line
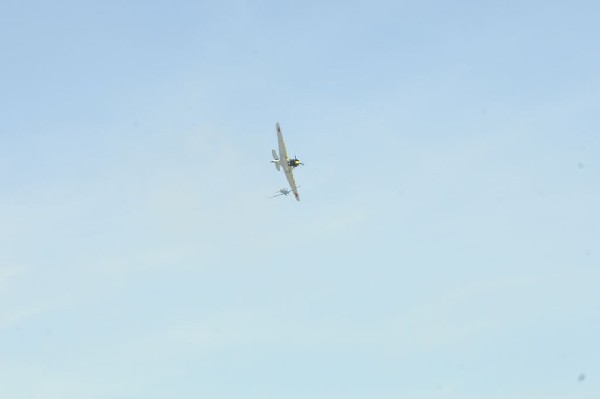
283 191
282 161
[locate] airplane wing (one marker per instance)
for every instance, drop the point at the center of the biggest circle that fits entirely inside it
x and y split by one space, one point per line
283 158
282 151
290 179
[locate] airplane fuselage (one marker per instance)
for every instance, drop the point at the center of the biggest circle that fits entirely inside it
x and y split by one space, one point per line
282 161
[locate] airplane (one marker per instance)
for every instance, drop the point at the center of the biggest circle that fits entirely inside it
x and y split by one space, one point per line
287 165
282 191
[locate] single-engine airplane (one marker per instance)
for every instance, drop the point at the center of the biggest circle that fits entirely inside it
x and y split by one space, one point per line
282 191
282 161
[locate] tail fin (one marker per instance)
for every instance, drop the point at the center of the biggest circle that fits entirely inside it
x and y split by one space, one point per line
275 159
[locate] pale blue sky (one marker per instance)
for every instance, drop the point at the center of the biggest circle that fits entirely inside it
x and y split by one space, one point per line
447 244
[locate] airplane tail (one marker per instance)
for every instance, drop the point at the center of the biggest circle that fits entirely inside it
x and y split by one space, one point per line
275 159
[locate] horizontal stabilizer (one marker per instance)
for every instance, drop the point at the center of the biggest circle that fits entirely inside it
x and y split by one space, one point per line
275 160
